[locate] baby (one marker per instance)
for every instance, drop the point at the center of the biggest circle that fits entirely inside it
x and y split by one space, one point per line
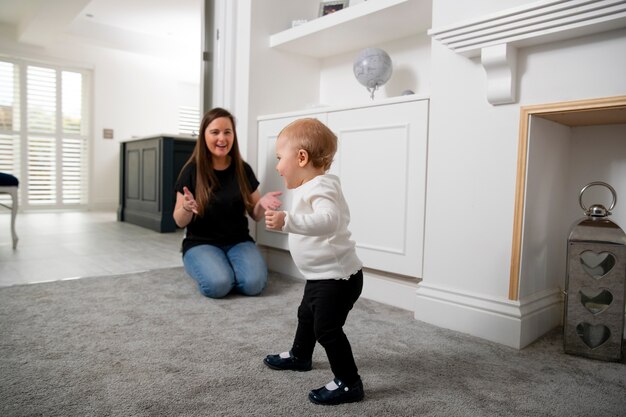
320 244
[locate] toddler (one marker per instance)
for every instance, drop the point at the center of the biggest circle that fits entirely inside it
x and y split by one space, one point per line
320 244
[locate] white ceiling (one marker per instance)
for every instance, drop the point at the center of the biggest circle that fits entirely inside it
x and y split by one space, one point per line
144 26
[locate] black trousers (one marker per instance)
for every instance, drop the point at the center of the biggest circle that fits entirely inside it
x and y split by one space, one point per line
322 313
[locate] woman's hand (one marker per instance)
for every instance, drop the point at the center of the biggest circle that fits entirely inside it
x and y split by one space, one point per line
270 200
189 202
186 207
275 220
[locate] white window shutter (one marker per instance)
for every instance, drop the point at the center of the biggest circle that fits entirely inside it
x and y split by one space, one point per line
41 105
48 153
188 120
9 119
74 143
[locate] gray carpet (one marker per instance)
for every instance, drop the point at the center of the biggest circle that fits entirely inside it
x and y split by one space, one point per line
148 344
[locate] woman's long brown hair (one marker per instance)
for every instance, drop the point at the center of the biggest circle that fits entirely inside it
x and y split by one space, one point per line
206 180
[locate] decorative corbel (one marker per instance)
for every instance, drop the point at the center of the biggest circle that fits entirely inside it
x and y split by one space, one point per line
500 63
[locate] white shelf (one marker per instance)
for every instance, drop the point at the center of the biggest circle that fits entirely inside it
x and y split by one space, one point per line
363 25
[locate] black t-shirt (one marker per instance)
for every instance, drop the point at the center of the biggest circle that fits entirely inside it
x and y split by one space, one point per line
224 221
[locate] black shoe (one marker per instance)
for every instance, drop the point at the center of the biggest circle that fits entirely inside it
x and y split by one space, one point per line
343 394
291 363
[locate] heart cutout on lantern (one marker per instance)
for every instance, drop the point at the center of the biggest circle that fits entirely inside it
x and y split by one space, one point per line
597 264
594 335
596 301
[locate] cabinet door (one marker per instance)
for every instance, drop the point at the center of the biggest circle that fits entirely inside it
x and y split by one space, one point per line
269 177
143 179
381 160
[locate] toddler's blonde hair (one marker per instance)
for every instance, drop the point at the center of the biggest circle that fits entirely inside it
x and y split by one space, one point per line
314 137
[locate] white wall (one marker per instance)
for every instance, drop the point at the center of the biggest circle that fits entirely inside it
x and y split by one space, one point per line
277 82
581 68
598 153
133 94
411 71
546 221
471 179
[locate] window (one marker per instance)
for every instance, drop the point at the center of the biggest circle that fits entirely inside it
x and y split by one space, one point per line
188 120
9 119
48 153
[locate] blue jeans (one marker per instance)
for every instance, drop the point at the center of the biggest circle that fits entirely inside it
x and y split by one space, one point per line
218 270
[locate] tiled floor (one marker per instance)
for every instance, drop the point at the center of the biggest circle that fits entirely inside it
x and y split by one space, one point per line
55 246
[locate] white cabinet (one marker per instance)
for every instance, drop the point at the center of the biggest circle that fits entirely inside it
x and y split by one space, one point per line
381 160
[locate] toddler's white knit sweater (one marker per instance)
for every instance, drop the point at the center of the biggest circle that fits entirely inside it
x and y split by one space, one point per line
319 239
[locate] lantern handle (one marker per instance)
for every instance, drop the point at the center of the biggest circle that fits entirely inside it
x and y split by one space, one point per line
611 189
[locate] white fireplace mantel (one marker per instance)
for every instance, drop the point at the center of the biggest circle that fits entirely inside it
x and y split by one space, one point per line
496 37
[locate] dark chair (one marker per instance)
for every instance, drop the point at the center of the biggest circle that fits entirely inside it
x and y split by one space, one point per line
9 185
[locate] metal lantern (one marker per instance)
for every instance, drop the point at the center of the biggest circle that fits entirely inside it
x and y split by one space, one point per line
595 283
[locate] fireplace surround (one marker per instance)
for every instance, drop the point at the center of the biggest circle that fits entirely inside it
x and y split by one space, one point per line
546 51
562 147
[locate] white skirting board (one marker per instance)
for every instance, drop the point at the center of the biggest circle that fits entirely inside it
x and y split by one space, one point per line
388 291
511 323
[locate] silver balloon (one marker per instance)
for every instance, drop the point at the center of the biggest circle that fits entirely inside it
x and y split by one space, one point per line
372 68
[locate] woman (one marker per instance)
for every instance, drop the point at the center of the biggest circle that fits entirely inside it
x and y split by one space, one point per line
215 190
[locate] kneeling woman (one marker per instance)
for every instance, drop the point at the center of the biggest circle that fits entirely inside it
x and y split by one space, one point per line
215 190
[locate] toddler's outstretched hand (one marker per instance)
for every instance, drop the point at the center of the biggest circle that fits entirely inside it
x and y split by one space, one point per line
270 200
275 220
